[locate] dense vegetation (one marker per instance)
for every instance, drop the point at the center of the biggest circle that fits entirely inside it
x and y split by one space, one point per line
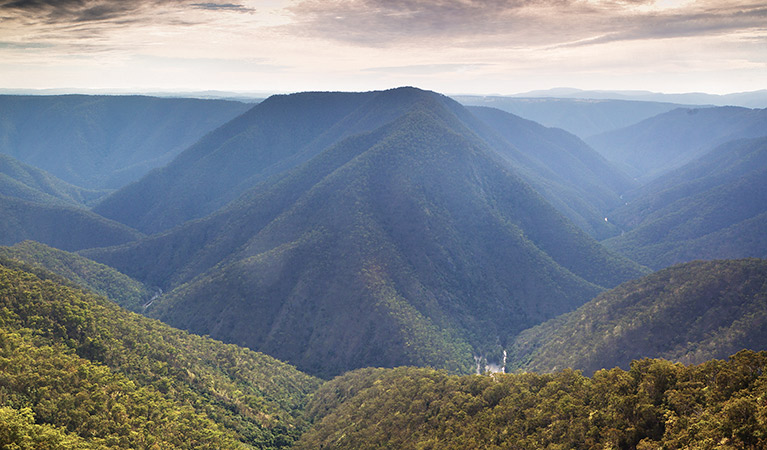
95 277
655 404
66 227
714 207
105 141
411 244
76 371
688 313
667 141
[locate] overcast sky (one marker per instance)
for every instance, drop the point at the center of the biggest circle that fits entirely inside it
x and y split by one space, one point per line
451 46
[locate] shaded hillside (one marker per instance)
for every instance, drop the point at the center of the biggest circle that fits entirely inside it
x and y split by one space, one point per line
690 313
105 141
656 404
285 131
411 244
665 142
81 373
65 227
580 116
98 278
268 139
574 178
25 182
714 207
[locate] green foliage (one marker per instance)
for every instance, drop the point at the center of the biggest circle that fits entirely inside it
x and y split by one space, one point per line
114 378
98 278
655 404
690 313
19 431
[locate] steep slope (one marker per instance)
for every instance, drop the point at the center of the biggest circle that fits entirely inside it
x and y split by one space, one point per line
411 244
105 141
654 405
65 227
287 130
574 178
689 313
97 278
714 207
581 116
268 139
667 141
25 182
97 376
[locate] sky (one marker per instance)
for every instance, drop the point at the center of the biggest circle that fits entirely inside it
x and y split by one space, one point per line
451 46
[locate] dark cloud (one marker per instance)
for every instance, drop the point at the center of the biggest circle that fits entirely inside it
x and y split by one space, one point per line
79 11
220 6
516 22
62 11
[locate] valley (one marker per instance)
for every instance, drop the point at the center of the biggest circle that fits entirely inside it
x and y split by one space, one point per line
330 269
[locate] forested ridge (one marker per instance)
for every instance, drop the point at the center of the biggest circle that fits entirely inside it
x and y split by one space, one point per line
690 313
655 404
90 373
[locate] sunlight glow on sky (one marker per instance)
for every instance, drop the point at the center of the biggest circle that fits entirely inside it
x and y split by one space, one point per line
451 46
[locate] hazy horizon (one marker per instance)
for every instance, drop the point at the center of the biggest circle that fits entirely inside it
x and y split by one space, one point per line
450 46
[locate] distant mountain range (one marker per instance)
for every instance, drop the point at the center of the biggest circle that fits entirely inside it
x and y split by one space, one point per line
667 141
99 142
753 99
582 117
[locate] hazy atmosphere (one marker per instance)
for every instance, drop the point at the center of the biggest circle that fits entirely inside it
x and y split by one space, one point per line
451 46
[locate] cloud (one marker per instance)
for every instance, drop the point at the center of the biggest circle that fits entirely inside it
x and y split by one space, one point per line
61 12
519 23
221 6
426 69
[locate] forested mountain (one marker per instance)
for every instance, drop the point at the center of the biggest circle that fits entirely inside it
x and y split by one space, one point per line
656 404
411 244
274 136
574 178
583 117
65 227
83 272
713 207
689 313
667 141
286 130
76 371
24 182
105 141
